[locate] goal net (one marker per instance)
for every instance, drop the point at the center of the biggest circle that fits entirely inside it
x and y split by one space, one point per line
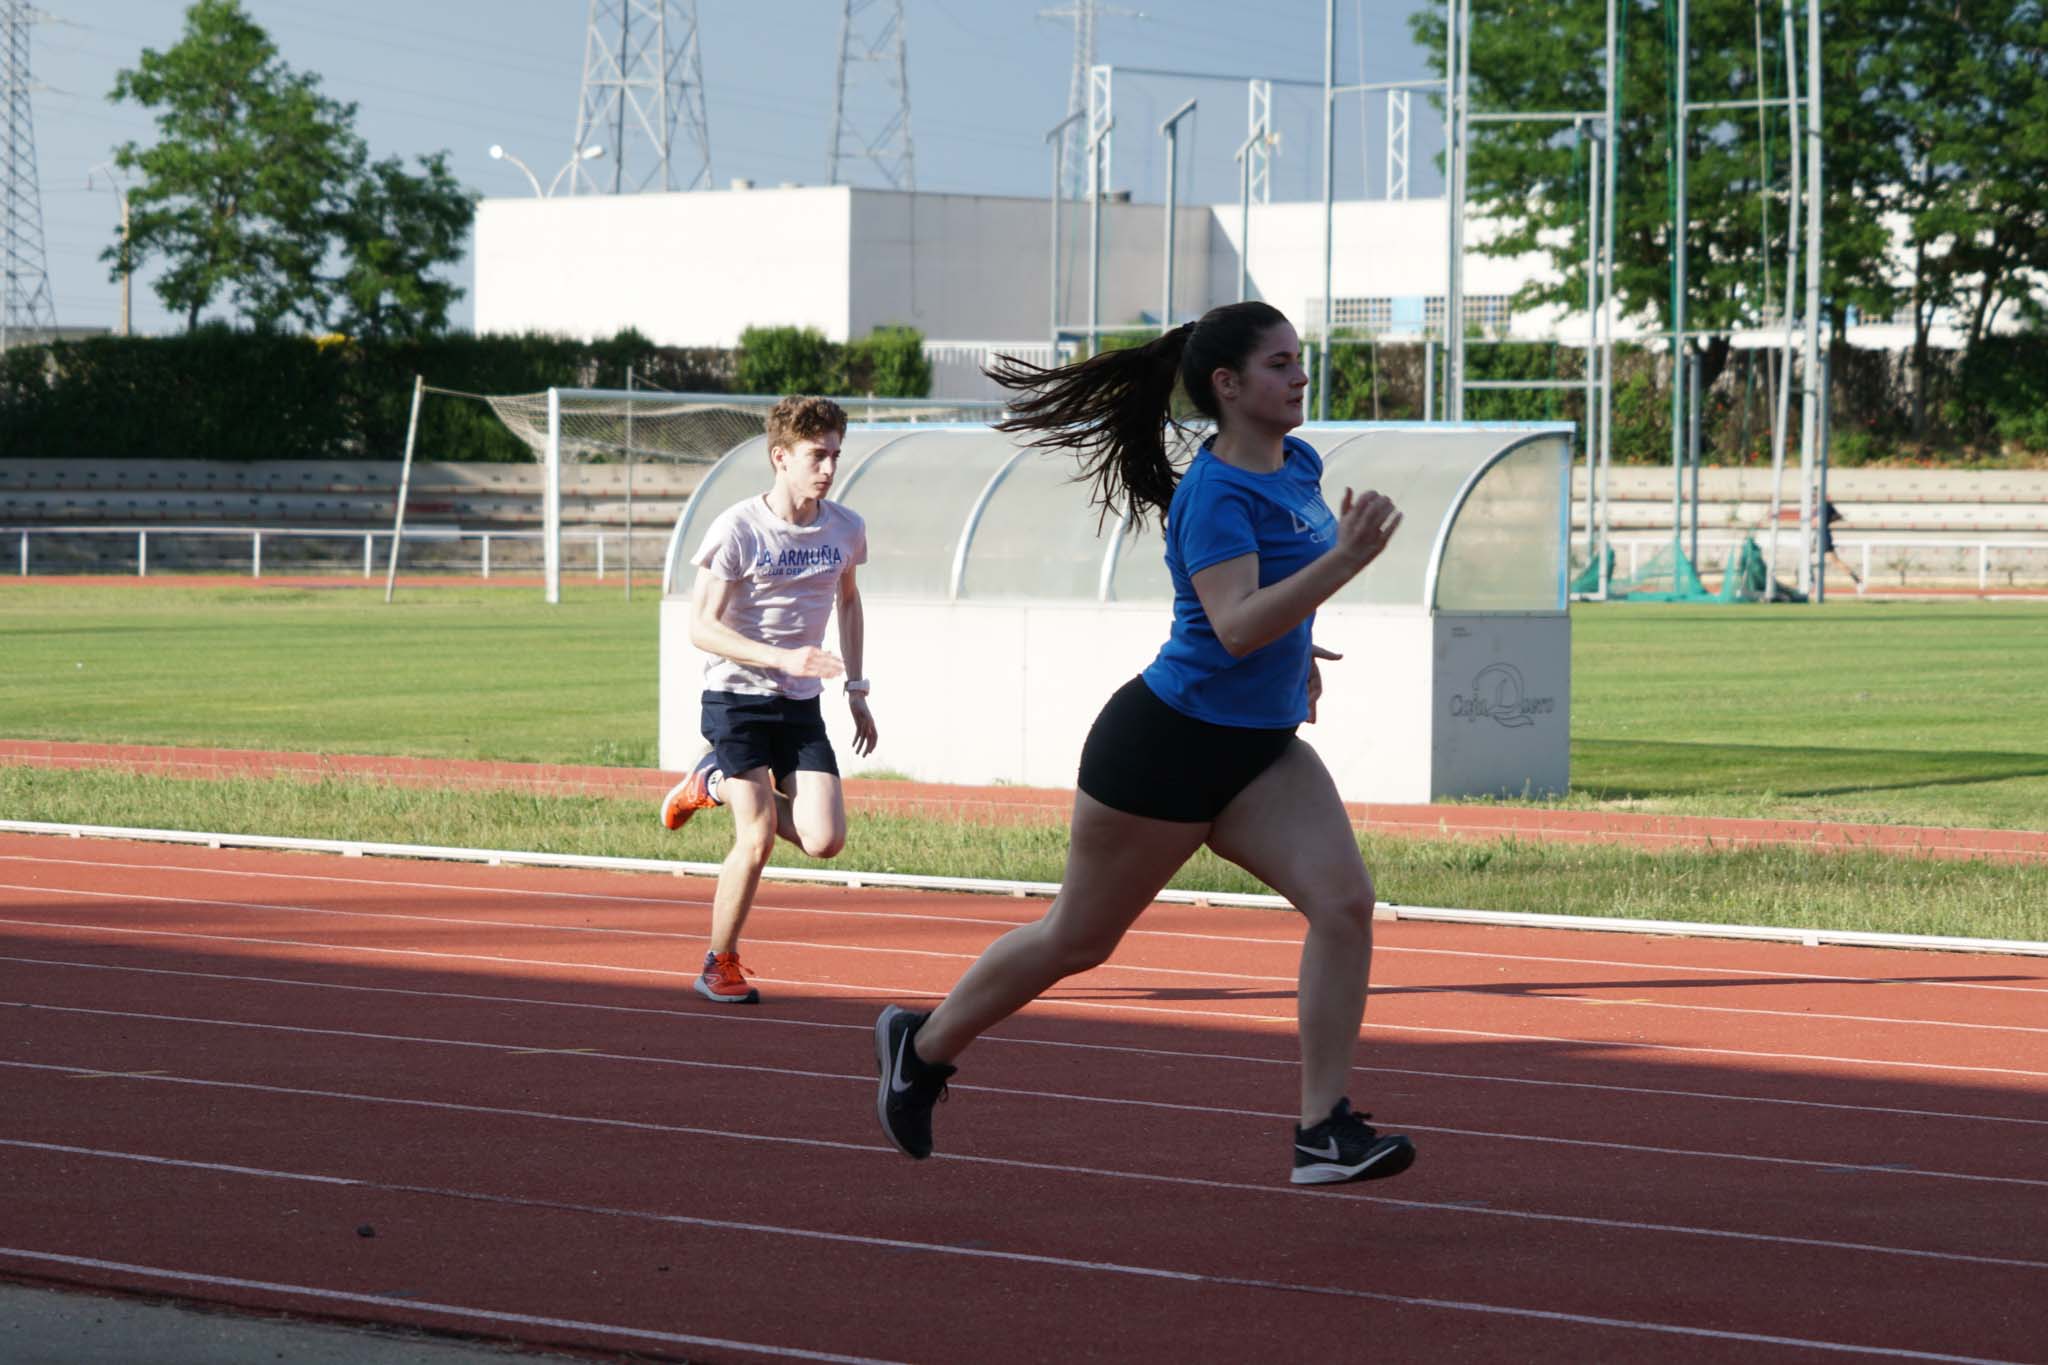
624 426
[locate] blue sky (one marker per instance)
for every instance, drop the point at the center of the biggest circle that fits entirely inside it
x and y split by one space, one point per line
987 79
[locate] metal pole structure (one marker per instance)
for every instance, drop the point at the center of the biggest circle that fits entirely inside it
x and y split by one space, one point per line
1244 217
1680 359
1820 581
1592 361
551 505
1329 205
1612 145
1171 129
1695 363
1815 395
1461 134
1784 394
629 486
1095 192
412 431
1429 379
1057 137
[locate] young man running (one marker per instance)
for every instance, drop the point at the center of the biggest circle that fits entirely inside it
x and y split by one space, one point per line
771 570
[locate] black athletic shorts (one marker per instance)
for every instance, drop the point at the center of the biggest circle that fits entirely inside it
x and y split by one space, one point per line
1143 757
780 733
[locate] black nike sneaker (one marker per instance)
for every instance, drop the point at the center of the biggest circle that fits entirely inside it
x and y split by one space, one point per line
909 1085
1345 1147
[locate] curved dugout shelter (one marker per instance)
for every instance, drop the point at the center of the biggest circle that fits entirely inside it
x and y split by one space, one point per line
1001 614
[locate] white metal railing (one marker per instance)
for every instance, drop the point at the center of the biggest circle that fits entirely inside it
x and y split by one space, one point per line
1927 558
414 537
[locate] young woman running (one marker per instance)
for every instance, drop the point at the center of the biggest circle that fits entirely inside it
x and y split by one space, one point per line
1200 748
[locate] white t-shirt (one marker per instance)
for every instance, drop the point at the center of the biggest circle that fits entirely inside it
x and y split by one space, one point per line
788 579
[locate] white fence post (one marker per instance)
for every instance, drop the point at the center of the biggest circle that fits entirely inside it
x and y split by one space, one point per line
487 554
367 535
600 557
24 554
142 554
256 555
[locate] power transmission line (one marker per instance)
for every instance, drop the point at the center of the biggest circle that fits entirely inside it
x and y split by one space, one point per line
25 303
872 39
643 74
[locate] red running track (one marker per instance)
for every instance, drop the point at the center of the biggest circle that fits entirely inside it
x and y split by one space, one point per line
481 1100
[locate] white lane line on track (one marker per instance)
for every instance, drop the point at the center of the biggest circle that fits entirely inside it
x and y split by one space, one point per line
1008 923
411 1305
1063 1001
1891 1250
929 1248
747 1019
1011 1092
1111 967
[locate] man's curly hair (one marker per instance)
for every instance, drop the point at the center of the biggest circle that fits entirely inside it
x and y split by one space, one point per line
803 419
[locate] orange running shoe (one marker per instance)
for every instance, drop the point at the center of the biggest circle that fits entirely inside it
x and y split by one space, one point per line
723 983
692 794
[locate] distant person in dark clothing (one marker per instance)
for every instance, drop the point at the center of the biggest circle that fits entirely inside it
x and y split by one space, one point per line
1829 515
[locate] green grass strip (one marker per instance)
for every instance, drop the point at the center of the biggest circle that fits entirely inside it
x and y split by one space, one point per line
1785 887
1895 713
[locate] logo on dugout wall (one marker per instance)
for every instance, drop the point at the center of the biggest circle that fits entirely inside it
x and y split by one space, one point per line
1499 694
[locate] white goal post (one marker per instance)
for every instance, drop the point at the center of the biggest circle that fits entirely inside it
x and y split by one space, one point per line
562 426
694 428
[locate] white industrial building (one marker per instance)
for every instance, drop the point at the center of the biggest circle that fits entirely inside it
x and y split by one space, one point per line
971 272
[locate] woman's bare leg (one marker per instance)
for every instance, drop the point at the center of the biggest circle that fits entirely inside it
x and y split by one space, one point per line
1290 830
1116 864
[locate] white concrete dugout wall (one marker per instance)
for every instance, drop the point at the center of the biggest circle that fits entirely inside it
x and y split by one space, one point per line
1001 615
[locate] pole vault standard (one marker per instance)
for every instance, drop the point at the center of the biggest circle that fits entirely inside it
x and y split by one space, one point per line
1331 90
1597 128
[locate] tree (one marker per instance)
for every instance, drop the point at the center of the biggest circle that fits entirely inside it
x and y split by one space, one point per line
395 229
1527 177
239 191
256 192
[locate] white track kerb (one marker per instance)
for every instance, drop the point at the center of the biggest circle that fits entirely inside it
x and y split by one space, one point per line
496 857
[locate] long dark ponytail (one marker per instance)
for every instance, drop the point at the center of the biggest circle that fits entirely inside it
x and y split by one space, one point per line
1114 409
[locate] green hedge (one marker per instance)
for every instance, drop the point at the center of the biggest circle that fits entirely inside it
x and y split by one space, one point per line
222 394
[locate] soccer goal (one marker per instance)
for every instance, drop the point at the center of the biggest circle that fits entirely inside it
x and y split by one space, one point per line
564 427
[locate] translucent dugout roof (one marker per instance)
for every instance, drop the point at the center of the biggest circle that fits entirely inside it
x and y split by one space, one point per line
970 514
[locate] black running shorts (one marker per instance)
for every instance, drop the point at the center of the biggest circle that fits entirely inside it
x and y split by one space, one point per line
779 733
1143 757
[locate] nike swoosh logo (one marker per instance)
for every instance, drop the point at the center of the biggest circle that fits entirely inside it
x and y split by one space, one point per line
897 1085
1329 1155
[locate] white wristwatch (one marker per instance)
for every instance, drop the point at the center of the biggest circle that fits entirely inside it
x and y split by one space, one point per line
858 685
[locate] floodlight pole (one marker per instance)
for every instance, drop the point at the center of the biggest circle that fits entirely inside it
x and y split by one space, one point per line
1607 183
1329 204
1057 139
1813 455
1458 72
1172 132
1678 285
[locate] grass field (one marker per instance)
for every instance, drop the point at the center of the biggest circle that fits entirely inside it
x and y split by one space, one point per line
1777 886
1891 712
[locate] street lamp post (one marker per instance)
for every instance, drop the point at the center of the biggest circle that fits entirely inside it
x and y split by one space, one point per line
591 152
1171 129
121 194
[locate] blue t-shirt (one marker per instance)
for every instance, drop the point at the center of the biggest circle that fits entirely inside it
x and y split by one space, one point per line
1220 512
